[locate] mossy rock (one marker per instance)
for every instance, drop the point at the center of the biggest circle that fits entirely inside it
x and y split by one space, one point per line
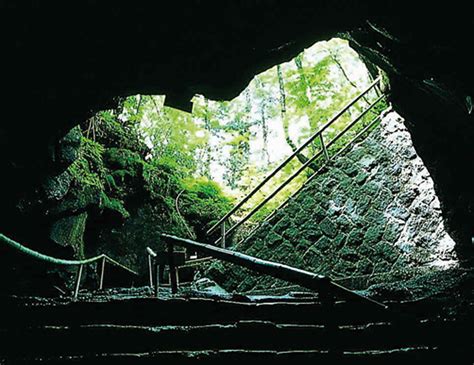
355 237
311 234
374 217
113 205
69 147
69 232
343 223
56 187
387 252
273 239
363 204
392 231
349 254
123 159
328 227
323 244
339 241
78 200
373 235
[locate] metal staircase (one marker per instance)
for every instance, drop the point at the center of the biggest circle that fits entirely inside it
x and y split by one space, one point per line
228 227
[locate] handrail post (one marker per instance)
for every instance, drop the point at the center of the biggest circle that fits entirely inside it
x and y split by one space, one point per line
223 234
172 269
323 145
78 281
294 154
102 273
150 271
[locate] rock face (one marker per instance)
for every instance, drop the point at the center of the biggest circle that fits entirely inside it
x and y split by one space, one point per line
372 217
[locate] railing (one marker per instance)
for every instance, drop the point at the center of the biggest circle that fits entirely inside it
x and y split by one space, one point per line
80 263
362 132
158 261
324 152
325 287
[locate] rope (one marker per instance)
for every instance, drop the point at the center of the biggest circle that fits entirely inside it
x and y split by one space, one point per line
39 256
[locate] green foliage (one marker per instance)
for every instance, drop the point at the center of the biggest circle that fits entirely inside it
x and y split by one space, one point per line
88 169
144 168
202 204
69 231
113 205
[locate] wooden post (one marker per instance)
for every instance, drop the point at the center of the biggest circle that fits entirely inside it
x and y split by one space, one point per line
102 273
150 270
78 281
223 234
325 151
172 269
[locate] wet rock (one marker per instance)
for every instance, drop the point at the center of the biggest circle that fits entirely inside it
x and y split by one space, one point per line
378 225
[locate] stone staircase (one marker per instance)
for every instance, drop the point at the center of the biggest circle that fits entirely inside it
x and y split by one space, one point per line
126 329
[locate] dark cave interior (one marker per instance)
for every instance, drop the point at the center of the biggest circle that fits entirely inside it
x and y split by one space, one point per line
58 71
64 61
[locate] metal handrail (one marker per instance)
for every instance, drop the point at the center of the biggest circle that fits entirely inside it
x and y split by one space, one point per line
294 154
288 273
302 168
53 260
369 126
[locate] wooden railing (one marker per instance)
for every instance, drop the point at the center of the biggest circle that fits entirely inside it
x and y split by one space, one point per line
323 152
325 287
103 259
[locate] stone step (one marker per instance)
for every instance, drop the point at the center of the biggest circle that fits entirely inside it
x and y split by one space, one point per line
251 335
391 356
154 312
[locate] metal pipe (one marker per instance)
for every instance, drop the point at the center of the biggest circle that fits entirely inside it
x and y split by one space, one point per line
289 158
294 275
102 273
370 125
326 154
150 270
301 169
223 234
78 281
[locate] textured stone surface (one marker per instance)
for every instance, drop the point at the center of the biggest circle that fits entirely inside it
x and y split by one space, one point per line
382 227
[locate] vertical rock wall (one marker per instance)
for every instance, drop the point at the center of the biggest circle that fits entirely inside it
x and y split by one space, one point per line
372 217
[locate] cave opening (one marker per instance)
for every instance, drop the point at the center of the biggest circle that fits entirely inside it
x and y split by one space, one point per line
377 242
365 218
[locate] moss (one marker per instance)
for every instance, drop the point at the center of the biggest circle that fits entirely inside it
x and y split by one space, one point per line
78 199
355 237
323 243
328 227
69 231
202 203
114 205
273 239
392 232
373 235
318 214
123 159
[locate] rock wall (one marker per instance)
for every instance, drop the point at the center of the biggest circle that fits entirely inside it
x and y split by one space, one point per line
372 217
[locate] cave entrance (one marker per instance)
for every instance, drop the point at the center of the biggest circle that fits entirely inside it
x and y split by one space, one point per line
158 169
225 148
